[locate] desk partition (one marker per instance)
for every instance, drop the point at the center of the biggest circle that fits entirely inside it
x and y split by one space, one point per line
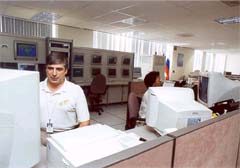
155 153
214 143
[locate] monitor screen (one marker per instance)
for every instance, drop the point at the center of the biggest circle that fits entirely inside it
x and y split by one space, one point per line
137 72
112 60
203 88
77 72
19 118
28 67
96 59
96 71
126 61
9 65
25 50
214 87
78 58
171 112
112 72
125 72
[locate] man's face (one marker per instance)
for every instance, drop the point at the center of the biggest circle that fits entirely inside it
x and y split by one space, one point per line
56 73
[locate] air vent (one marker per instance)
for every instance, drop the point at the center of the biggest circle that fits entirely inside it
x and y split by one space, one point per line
231 3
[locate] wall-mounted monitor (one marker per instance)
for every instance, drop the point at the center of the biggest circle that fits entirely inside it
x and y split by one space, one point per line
125 73
112 60
25 50
126 61
112 72
78 59
137 72
27 66
9 65
77 72
95 71
96 59
60 53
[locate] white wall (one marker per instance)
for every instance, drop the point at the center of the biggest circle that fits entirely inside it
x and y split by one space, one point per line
175 71
233 63
80 37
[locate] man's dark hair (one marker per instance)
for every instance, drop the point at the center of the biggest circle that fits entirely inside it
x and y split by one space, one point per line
57 58
150 78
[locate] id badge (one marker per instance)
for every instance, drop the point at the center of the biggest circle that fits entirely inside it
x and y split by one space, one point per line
49 128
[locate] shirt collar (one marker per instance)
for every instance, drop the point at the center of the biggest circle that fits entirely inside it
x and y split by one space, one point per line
62 89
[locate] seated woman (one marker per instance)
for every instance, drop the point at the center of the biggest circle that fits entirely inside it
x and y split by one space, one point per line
150 80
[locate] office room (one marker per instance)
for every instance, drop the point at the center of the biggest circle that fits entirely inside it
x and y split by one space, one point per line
122 84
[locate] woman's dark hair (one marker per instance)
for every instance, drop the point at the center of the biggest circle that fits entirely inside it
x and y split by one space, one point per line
150 78
57 58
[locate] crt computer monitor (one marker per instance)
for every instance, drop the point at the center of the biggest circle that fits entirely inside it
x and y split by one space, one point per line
19 118
172 108
215 87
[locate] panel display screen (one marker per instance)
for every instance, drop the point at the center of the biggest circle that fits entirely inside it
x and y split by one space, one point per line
112 72
96 71
25 50
77 72
125 72
126 61
137 72
60 53
112 60
96 59
27 67
79 59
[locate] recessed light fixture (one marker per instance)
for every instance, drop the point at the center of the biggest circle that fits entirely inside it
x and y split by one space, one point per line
229 20
133 21
46 17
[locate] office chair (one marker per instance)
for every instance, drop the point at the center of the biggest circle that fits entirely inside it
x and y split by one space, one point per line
97 89
133 107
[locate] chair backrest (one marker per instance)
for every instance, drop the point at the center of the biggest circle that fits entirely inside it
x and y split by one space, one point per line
133 105
98 84
132 110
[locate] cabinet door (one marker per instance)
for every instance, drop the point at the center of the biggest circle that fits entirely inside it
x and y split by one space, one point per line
125 93
114 94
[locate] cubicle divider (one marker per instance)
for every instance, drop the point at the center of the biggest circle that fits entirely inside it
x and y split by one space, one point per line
238 161
212 143
155 153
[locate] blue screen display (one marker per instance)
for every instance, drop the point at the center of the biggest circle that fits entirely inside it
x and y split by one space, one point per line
26 50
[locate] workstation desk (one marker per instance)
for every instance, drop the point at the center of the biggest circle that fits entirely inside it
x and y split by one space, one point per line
116 91
212 143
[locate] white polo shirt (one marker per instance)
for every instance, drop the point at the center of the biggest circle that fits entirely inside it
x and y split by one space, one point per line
65 107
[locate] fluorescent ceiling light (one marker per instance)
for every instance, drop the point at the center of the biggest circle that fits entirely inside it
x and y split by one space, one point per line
133 21
46 17
230 20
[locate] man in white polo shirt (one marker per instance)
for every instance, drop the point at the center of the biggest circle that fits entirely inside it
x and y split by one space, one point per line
63 105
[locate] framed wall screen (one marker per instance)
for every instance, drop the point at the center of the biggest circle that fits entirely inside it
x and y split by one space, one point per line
25 50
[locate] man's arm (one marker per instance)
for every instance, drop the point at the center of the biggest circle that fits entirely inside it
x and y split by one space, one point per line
84 123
